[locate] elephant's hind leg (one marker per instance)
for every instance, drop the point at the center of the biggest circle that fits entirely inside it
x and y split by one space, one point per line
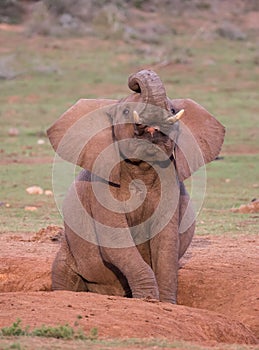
64 276
187 220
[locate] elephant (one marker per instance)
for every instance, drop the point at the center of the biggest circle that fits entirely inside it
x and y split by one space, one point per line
128 217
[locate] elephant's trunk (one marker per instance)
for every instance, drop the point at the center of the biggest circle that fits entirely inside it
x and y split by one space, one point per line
151 88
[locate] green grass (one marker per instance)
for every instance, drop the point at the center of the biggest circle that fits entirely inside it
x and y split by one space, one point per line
232 181
15 329
19 337
32 343
15 178
220 74
59 332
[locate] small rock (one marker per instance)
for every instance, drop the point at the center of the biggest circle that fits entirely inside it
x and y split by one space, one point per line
48 193
28 208
249 208
40 142
34 190
3 204
13 132
50 233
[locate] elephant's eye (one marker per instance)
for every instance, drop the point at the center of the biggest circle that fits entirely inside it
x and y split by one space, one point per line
173 110
126 112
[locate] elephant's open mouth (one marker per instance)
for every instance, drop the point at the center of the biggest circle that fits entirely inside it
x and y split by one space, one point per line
155 142
152 132
147 149
158 138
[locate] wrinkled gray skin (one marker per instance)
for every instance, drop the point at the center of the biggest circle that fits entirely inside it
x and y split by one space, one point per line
150 268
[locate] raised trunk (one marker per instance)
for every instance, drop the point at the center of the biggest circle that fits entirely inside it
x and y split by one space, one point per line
151 88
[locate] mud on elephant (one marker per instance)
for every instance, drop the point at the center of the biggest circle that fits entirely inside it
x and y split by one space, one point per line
128 217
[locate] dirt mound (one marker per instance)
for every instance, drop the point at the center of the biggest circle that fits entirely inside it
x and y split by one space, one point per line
117 317
50 233
30 255
249 208
217 286
222 274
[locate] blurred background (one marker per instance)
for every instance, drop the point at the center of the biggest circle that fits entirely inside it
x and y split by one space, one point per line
54 52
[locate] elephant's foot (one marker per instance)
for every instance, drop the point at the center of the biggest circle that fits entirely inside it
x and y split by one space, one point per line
67 280
166 299
64 276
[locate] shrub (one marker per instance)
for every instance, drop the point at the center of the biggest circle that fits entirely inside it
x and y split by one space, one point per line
15 329
64 332
230 31
80 9
11 11
59 332
41 21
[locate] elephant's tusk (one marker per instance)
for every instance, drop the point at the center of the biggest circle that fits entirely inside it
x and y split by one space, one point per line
176 117
179 114
136 117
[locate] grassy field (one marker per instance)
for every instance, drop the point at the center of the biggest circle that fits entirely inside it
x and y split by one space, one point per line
51 74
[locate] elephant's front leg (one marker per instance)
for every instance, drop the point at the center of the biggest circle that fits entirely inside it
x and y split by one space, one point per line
164 257
117 248
140 277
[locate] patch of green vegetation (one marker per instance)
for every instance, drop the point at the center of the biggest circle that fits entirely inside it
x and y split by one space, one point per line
15 329
224 222
231 182
31 343
58 332
93 333
14 346
15 178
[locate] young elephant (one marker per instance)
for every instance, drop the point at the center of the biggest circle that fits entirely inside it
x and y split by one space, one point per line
128 218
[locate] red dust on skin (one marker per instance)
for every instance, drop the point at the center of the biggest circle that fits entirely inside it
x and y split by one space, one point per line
218 293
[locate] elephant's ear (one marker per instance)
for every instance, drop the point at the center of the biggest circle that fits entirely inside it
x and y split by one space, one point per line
200 138
83 136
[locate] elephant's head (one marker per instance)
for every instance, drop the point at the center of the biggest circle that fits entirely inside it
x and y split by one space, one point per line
145 121
145 126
